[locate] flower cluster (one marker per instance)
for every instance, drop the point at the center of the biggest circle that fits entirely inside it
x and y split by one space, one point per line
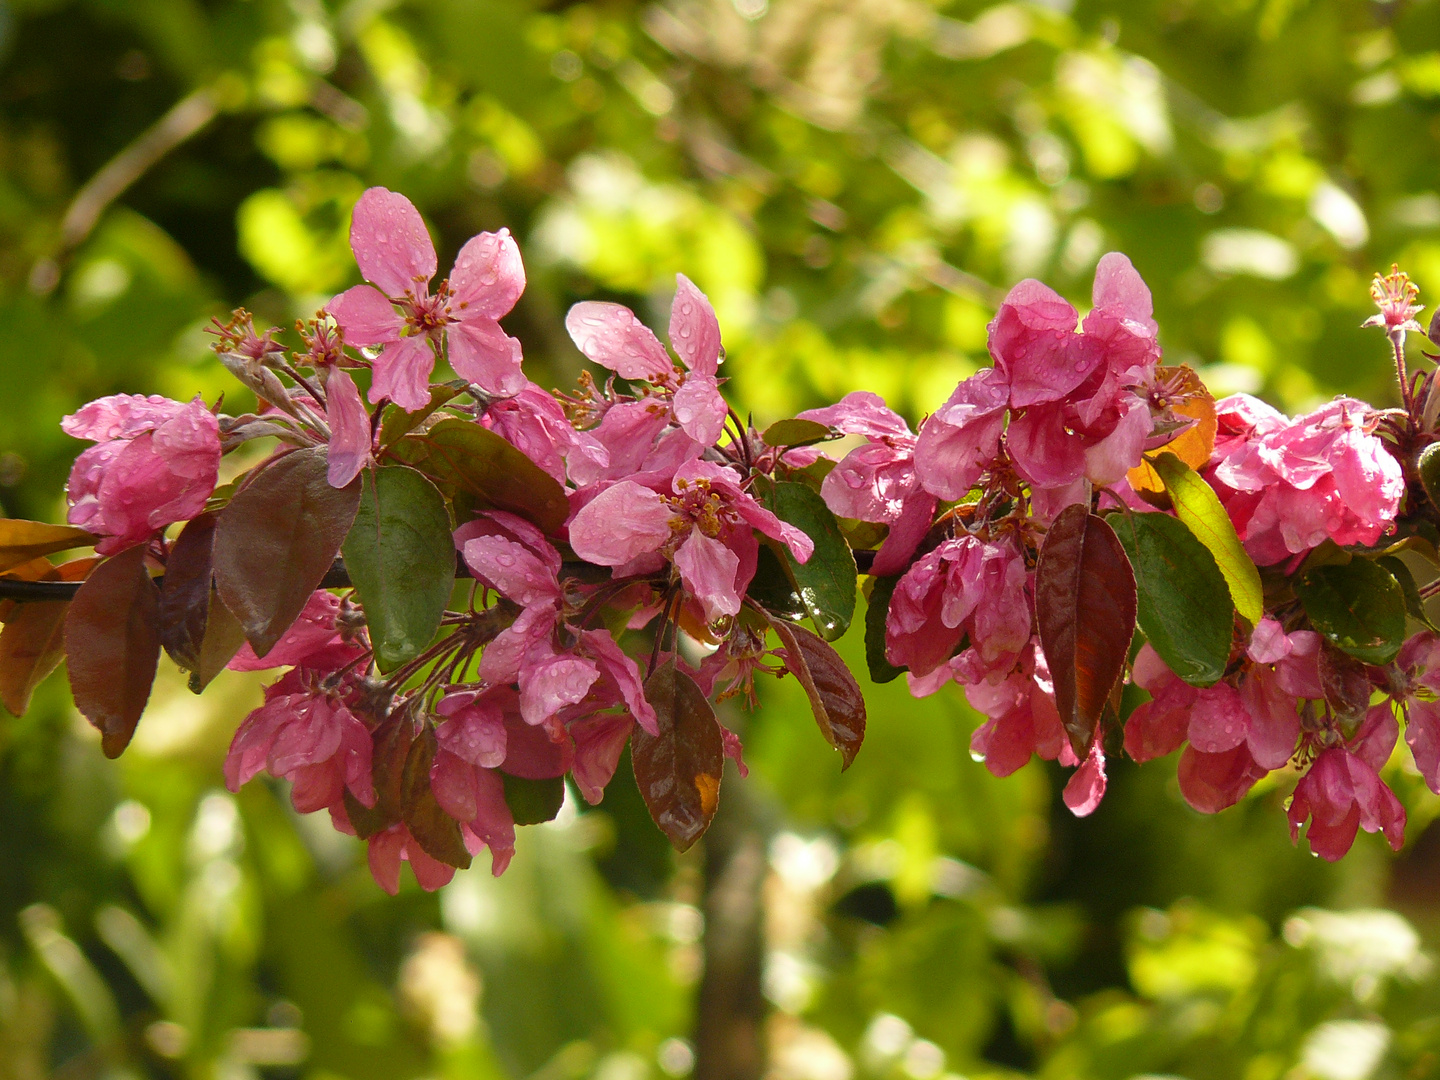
1016 540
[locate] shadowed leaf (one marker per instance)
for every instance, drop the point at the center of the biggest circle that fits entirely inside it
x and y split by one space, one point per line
533 801
185 592
1358 606
469 463
825 582
275 541
433 829
835 696
112 642
32 643
398 423
678 771
1085 610
876 613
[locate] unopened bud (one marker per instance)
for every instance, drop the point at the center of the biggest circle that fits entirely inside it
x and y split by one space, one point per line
1429 469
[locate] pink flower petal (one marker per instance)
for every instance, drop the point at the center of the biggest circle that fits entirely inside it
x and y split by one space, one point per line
513 569
860 412
120 416
1087 786
599 742
482 353
613 337
391 243
960 440
708 569
1422 735
366 317
488 277
694 330
1119 288
1218 720
349 447
699 409
402 373
622 523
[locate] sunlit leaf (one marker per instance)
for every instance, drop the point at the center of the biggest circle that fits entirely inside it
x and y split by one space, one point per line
835 696
112 645
21 541
1085 611
1197 505
826 582
678 771
401 559
275 541
1183 603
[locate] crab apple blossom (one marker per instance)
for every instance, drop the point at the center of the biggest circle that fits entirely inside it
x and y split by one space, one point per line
154 462
395 254
1343 791
611 335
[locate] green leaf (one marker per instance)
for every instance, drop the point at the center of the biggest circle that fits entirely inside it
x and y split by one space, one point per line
795 433
398 423
1414 602
433 829
533 801
1085 610
826 583
1358 606
878 607
276 540
1197 505
1183 604
478 469
401 559
772 588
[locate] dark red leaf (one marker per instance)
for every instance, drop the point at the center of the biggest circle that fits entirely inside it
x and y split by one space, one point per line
33 643
391 743
678 771
1085 609
433 829
31 646
223 637
112 641
275 541
185 592
835 696
1346 682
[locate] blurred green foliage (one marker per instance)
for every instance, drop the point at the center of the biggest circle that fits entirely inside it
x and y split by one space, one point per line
855 183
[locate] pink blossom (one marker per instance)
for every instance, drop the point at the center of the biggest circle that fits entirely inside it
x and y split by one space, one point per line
394 252
1343 792
475 797
705 527
350 435
962 437
308 737
394 845
611 335
1289 487
964 586
1212 782
1419 663
313 640
535 424
1021 720
155 462
878 481
1086 786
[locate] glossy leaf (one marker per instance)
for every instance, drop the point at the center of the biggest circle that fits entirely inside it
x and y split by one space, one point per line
835 696
1197 505
472 464
826 582
401 560
1085 609
1194 445
1414 602
795 433
21 541
772 588
185 592
678 771
1358 606
533 801
1346 682
276 540
876 612
112 645
398 423
1182 602
433 829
